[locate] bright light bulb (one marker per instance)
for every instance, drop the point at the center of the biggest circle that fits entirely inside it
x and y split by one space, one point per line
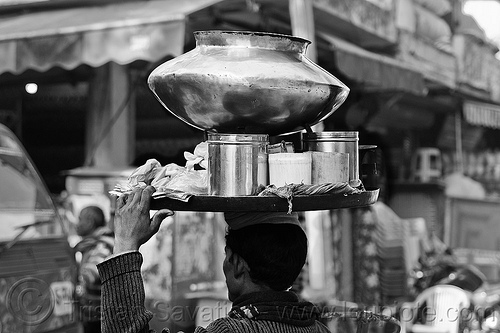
31 88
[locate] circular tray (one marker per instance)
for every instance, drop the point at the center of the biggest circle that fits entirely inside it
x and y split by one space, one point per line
209 203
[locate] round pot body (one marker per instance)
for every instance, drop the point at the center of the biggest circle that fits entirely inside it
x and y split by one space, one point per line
247 82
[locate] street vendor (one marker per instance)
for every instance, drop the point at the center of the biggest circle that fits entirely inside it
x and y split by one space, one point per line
264 254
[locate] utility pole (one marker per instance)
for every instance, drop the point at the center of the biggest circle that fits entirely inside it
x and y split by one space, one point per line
302 22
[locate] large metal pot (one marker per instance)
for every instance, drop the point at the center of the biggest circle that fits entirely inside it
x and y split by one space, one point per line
247 82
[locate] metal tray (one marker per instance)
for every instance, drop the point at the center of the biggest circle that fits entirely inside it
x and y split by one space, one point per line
269 203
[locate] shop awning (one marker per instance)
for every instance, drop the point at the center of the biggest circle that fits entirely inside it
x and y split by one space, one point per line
482 114
124 32
375 70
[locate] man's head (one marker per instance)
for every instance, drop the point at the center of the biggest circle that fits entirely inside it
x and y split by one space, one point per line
266 251
90 218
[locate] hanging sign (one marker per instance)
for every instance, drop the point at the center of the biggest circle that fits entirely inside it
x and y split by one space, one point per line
374 16
473 61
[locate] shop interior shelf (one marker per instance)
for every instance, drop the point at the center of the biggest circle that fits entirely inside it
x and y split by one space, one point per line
209 203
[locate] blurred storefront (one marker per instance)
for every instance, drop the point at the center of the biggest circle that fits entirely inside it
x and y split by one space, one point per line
463 81
90 64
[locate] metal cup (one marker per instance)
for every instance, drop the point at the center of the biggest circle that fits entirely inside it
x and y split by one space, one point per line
233 163
339 142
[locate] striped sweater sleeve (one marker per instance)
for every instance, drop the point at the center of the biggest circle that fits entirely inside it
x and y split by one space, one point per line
122 295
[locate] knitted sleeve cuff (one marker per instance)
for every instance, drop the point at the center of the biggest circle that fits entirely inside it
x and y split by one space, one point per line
125 263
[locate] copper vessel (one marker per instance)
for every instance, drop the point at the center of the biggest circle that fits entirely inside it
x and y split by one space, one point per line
247 82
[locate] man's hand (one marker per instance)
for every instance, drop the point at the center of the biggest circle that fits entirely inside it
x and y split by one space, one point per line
133 225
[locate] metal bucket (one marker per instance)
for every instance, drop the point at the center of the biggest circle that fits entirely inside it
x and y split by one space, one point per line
233 163
337 142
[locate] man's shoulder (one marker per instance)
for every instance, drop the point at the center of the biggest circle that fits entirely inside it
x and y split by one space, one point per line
227 324
96 249
321 328
93 240
104 235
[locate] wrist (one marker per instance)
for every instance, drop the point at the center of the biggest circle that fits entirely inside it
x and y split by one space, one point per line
124 246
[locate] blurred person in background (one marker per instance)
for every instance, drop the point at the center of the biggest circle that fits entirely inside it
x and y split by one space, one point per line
96 244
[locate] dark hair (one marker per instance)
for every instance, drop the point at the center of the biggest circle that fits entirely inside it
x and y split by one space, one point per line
96 214
275 253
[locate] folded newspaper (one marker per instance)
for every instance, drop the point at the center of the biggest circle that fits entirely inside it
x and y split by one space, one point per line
171 181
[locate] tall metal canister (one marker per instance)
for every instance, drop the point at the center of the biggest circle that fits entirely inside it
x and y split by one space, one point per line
340 142
233 163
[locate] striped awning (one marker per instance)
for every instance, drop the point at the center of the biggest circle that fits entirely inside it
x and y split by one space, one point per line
119 32
375 70
482 114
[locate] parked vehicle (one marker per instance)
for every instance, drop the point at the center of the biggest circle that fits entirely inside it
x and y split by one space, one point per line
37 265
